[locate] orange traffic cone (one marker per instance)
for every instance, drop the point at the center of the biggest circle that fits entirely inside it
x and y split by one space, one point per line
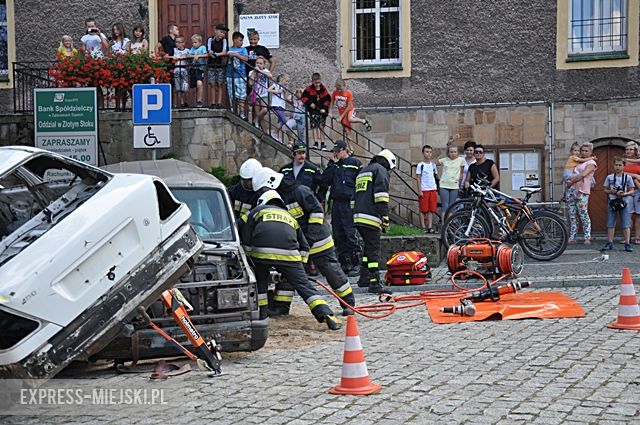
355 377
628 311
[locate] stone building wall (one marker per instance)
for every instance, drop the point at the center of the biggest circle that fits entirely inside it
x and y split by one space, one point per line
41 24
206 138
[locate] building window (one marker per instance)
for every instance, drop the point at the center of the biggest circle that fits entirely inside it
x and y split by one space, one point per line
376 32
597 27
4 42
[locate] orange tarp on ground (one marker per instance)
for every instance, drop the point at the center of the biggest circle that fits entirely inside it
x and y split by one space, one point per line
523 305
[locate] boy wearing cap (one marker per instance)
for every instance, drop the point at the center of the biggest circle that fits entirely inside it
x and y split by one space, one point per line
304 172
341 174
217 49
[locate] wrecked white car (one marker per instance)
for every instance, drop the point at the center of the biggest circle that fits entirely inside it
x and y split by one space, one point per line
80 250
221 288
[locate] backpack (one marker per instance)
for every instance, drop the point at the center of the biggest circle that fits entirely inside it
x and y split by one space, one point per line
407 268
435 174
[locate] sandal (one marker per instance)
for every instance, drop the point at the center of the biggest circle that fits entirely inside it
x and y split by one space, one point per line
367 124
636 242
587 241
571 241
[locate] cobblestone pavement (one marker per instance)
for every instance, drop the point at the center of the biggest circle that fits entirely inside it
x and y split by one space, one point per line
568 371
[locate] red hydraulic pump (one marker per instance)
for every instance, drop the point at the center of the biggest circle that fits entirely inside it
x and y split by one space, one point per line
487 257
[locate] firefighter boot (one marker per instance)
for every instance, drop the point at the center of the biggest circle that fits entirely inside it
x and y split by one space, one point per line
333 323
376 286
363 282
351 300
345 263
323 314
279 309
354 271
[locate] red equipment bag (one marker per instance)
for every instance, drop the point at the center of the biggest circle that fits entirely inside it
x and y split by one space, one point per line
407 268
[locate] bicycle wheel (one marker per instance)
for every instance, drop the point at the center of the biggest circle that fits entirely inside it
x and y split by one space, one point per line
453 231
465 205
546 244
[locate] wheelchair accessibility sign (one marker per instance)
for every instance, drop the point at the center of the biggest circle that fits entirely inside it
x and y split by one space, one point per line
151 116
152 136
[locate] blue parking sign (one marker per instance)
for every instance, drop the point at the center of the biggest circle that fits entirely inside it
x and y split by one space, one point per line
151 104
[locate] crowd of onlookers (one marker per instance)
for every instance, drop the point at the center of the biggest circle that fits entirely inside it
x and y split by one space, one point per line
242 77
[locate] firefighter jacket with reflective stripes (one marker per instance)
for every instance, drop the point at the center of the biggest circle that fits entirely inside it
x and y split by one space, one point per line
341 176
305 208
372 196
309 175
242 199
271 235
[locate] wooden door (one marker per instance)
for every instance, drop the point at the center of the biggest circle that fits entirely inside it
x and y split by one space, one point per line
598 200
192 17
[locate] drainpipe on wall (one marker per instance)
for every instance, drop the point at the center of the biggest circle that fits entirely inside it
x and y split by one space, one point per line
552 154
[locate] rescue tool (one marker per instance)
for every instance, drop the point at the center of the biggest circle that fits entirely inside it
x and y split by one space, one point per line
210 353
492 293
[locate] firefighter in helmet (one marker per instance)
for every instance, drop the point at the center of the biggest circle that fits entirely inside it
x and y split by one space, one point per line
303 205
273 238
370 216
242 195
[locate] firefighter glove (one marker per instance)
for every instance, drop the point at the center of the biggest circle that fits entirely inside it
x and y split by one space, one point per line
385 222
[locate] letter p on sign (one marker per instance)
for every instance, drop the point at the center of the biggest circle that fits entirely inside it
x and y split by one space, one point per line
151 101
151 104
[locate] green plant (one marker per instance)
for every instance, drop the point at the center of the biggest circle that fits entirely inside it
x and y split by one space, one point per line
221 174
399 230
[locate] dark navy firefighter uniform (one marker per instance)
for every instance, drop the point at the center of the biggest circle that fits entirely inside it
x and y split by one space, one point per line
273 238
243 200
341 176
305 208
309 175
370 216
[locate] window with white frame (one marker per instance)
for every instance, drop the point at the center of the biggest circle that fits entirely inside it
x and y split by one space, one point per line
4 42
597 26
376 32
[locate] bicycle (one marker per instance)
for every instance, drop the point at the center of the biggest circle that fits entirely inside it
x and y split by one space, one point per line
542 234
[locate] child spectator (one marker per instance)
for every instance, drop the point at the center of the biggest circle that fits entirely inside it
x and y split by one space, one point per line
452 169
66 48
259 97
217 47
167 43
469 159
342 98
119 41
94 42
279 99
572 162
180 73
254 51
198 55
317 99
619 186
139 44
297 122
427 173
236 74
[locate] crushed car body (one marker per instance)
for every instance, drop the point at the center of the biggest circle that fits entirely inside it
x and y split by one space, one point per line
80 250
221 288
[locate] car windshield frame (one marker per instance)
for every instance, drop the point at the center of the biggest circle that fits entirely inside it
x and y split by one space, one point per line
204 211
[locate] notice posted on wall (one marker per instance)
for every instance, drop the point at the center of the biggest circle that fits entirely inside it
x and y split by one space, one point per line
267 26
517 181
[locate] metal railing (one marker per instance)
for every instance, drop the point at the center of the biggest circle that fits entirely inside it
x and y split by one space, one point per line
30 75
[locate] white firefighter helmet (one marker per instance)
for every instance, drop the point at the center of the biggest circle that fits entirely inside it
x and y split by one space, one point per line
269 195
266 177
390 157
249 168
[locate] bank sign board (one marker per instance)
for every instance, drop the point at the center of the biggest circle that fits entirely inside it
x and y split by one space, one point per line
66 122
